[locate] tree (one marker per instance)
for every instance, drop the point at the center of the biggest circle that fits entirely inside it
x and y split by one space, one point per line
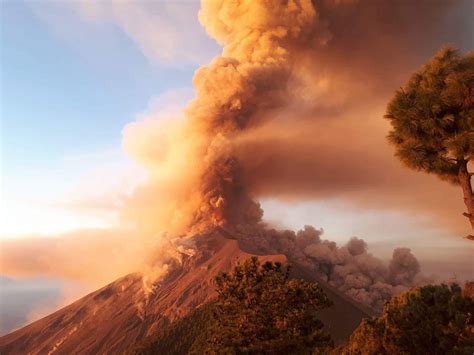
260 310
434 319
432 120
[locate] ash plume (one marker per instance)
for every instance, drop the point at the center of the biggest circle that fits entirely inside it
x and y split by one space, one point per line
292 109
259 42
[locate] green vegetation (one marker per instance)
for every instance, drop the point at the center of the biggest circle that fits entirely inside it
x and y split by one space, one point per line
427 320
432 120
260 310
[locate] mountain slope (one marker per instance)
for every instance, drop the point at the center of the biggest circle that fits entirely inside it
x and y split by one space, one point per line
122 313
188 335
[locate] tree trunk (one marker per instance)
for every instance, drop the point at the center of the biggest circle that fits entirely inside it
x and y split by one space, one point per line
465 182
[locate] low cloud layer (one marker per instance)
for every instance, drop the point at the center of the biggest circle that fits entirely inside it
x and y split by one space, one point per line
92 256
166 32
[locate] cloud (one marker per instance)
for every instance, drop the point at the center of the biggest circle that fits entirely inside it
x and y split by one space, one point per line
330 157
328 141
84 190
93 256
293 109
166 32
159 140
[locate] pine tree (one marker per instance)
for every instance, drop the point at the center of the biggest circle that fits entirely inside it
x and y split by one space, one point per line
433 319
432 120
260 310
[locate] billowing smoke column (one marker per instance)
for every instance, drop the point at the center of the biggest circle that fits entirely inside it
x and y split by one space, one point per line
292 108
250 77
290 70
259 38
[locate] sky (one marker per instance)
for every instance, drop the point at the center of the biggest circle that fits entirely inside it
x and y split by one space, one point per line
69 84
65 100
74 74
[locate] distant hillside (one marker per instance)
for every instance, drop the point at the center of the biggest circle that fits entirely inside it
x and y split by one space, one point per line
121 314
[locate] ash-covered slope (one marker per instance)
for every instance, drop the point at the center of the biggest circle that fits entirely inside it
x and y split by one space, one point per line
123 313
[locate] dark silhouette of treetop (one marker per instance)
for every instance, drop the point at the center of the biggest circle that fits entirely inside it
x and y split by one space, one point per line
260 310
433 319
432 120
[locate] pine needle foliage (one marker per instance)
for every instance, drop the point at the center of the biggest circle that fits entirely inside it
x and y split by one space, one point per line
432 117
432 120
434 319
260 310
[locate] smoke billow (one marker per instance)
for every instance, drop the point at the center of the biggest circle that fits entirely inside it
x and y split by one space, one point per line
250 77
293 108
349 268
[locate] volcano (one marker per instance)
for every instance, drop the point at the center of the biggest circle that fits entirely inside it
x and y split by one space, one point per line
123 313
